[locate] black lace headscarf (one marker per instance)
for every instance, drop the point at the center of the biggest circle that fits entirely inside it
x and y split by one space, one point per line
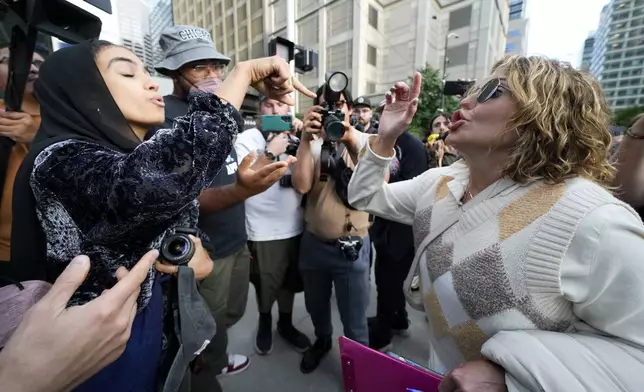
75 103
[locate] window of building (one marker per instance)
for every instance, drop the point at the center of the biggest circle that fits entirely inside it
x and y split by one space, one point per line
229 4
230 22
371 88
510 47
241 13
460 18
256 5
339 18
373 17
242 36
242 55
458 55
305 6
308 32
279 13
258 50
338 57
514 33
257 26
372 55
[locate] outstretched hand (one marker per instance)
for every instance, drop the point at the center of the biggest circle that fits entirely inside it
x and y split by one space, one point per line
252 181
64 345
401 103
272 77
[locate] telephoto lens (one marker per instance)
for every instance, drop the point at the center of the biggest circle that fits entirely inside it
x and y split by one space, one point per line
178 249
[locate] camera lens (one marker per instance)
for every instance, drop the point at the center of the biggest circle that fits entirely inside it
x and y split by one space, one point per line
178 247
334 129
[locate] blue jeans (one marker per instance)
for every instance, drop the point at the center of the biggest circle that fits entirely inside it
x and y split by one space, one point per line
322 265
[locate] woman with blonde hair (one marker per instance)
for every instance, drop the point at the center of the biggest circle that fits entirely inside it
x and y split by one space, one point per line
531 271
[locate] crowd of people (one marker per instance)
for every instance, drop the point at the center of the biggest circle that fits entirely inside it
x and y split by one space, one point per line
508 224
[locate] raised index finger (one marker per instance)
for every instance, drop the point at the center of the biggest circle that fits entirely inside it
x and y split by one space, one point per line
417 83
300 87
132 281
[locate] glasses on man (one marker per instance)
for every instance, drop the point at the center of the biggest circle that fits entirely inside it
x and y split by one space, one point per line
36 63
206 68
490 90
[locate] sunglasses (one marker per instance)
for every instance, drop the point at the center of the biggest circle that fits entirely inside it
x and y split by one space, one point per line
491 89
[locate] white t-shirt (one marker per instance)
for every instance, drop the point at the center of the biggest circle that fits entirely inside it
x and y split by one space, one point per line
275 214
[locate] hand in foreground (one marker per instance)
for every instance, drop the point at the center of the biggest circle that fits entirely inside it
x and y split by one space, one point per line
401 103
298 125
475 376
66 346
312 121
18 126
201 263
252 181
272 77
277 143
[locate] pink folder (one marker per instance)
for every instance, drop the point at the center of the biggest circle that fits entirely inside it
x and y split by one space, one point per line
367 370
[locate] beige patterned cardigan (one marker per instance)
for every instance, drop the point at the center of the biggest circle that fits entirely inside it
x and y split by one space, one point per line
542 263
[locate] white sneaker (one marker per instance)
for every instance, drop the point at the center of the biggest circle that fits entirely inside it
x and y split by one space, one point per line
236 364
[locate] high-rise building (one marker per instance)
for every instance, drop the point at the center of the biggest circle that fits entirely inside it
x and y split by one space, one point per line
618 54
517 42
134 28
160 19
587 52
236 26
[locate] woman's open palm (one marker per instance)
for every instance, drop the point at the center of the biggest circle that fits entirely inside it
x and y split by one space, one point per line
401 103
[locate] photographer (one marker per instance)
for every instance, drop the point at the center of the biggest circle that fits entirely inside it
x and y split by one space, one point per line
335 245
274 223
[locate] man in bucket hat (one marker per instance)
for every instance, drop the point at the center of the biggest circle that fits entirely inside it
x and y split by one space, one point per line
193 63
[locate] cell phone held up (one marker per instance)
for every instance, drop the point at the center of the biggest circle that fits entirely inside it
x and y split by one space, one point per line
276 123
457 87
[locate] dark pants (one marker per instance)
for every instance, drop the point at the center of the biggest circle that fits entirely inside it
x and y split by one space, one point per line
392 265
323 266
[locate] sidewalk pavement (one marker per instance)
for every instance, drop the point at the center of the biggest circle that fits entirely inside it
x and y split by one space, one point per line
280 370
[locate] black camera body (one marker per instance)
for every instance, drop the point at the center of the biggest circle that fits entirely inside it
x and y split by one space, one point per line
292 146
178 248
350 247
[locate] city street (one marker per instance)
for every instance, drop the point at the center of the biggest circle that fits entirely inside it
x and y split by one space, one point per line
280 371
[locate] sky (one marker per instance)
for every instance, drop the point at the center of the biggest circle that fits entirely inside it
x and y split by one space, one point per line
558 28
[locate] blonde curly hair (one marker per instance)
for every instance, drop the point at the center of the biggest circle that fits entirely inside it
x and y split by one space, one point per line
562 121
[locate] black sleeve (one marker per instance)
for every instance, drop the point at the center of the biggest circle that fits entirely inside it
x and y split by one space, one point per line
110 192
414 157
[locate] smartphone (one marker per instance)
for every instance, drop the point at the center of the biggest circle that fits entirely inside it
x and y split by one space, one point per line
276 122
457 87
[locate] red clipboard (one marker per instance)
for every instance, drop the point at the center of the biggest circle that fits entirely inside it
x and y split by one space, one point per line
367 370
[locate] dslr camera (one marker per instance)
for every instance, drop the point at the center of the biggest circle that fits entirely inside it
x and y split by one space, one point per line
178 249
350 247
332 121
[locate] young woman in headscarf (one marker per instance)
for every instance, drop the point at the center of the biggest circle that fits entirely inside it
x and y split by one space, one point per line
89 185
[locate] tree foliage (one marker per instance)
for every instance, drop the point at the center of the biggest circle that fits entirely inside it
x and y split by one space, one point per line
623 117
430 100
